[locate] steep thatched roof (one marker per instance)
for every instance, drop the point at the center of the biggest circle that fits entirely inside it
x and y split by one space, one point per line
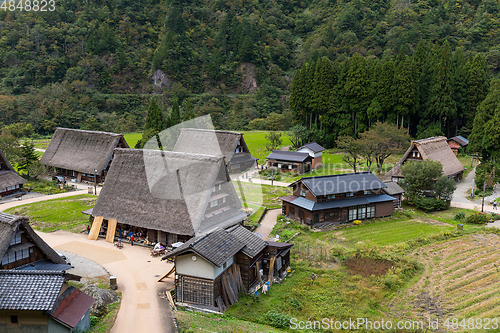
435 149
11 224
167 191
82 151
8 175
210 142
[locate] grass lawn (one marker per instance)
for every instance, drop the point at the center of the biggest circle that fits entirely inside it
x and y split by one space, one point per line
41 143
57 214
194 322
256 142
132 138
263 195
253 220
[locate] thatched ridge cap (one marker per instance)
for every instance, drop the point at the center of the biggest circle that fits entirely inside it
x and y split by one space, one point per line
90 132
153 152
211 130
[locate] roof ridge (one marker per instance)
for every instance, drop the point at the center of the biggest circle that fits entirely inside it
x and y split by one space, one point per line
339 174
209 130
178 153
90 132
32 272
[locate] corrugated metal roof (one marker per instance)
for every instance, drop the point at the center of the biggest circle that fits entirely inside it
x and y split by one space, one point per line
342 183
71 306
393 188
315 206
287 156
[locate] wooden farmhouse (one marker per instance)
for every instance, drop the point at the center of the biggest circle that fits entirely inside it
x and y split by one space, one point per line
42 301
10 181
79 154
212 269
165 196
21 247
290 161
334 199
231 145
457 142
315 151
395 191
435 149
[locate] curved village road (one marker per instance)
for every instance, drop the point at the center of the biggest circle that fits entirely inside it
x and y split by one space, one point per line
137 273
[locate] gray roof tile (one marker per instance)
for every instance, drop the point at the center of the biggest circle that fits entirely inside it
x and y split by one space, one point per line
342 183
30 290
288 156
253 243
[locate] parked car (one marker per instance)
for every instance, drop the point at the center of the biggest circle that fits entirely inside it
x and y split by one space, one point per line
59 179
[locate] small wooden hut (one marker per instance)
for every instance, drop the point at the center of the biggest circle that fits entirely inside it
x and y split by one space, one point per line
81 154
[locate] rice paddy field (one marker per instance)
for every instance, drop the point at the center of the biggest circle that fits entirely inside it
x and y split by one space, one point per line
132 138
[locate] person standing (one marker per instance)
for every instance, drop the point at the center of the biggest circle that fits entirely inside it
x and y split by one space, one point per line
494 205
88 229
132 240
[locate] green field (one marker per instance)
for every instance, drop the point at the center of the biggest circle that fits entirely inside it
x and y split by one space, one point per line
263 195
132 138
57 214
256 142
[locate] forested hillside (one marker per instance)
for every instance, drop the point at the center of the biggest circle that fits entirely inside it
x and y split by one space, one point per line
96 64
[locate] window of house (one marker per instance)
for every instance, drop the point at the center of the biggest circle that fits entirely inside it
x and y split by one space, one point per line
330 196
292 210
361 212
418 154
333 215
16 239
14 320
370 211
224 200
290 167
279 165
224 266
302 193
353 213
349 194
213 204
366 192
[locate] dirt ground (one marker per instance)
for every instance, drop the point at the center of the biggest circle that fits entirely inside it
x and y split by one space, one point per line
461 280
142 309
367 266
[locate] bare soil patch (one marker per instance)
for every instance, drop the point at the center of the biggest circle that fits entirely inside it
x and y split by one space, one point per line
368 266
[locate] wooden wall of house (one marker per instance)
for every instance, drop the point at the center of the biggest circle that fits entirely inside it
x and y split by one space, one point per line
248 268
195 290
383 209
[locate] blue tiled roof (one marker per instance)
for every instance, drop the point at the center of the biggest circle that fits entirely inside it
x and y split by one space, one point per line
342 183
315 206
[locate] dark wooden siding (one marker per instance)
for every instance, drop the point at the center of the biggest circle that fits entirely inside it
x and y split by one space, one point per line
383 209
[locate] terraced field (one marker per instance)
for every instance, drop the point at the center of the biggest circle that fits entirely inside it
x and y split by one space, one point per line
461 280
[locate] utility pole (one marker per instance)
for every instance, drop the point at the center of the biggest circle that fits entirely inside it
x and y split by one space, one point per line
272 176
484 190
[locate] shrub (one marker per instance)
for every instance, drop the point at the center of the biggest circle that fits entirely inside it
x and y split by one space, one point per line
431 204
478 218
460 216
277 319
356 222
93 321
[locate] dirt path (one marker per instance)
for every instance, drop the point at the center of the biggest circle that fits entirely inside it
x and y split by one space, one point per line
142 309
268 222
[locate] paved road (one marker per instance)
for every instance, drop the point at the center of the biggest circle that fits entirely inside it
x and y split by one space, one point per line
141 310
16 203
459 196
268 222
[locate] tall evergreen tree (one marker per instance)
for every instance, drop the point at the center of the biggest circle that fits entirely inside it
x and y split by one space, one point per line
477 87
188 111
357 91
322 87
442 104
154 125
460 78
405 89
175 117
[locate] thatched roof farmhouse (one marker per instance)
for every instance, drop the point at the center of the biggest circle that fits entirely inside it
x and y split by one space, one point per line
435 149
77 153
21 246
173 195
231 145
10 181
